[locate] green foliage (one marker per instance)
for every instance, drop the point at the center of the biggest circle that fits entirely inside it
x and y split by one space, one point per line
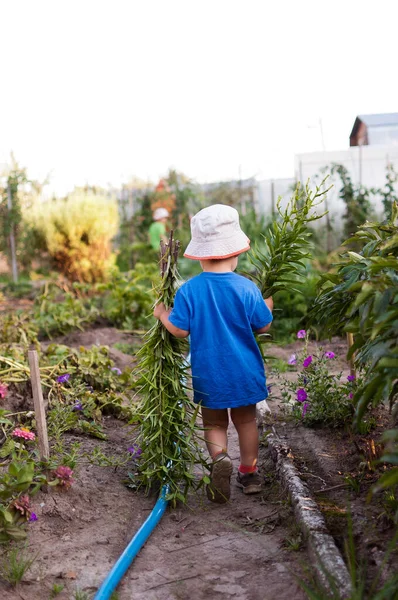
282 262
167 417
388 193
361 297
357 199
15 563
57 312
293 306
56 589
11 219
77 234
130 297
20 477
17 329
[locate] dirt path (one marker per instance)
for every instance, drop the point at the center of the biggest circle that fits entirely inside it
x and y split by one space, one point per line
197 552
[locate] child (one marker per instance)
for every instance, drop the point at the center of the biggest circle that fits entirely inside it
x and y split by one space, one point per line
157 230
220 310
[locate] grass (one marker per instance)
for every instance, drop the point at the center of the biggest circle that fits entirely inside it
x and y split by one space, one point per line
56 589
15 563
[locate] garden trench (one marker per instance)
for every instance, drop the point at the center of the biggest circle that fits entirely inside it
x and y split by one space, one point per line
250 548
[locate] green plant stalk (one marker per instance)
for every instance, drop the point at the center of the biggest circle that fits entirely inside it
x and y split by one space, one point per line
287 242
169 436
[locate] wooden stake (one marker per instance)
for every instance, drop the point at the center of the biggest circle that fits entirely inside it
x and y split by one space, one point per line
350 342
38 402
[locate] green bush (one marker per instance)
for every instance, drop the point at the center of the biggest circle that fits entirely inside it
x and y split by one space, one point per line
76 233
130 296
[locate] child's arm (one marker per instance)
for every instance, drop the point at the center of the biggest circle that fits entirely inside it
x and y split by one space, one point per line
160 312
270 303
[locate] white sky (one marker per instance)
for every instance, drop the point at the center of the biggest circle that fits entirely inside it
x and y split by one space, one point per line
98 91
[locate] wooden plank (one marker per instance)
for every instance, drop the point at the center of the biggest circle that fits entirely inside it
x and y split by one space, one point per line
38 402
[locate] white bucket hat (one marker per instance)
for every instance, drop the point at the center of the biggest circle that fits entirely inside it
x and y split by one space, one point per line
160 213
216 233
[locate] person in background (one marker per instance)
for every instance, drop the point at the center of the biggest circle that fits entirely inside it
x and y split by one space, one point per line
157 230
221 311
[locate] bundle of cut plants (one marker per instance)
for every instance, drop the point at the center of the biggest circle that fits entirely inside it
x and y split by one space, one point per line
169 437
287 242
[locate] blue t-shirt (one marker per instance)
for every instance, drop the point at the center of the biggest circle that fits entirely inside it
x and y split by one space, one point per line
221 311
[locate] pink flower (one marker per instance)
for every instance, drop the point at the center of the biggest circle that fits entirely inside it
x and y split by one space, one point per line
64 475
329 355
3 390
307 361
301 395
305 408
301 334
292 359
22 432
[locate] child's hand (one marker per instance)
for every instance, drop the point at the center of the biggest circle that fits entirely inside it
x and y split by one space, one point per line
270 303
159 310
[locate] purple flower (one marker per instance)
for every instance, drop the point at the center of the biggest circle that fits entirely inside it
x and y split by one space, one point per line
269 388
305 380
33 517
351 378
116 370
350 395
63 378
292 359
301 334
330 355
305 408
78 406
301 395
307 361
135 451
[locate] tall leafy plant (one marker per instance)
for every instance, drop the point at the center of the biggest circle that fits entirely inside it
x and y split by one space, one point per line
361 297
279 265
169 436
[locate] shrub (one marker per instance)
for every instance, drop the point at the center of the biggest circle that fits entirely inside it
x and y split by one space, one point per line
76 233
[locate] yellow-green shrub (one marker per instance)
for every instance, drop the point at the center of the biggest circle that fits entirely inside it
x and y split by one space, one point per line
77 233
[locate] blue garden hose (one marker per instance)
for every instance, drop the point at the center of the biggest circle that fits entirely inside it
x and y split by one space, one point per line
124 561
135 545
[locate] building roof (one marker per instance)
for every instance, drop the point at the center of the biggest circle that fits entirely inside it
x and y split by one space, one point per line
381 120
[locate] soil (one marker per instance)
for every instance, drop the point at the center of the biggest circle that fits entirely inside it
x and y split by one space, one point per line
244 549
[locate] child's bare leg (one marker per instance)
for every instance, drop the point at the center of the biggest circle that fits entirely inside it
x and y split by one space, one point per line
244 419
215 423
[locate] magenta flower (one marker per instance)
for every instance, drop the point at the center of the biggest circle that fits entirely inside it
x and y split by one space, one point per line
63 378
33 517
305 408
292 360
3 390
307 361
330 355
301 395
350 395
116 370
135 451
301 334
351 378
